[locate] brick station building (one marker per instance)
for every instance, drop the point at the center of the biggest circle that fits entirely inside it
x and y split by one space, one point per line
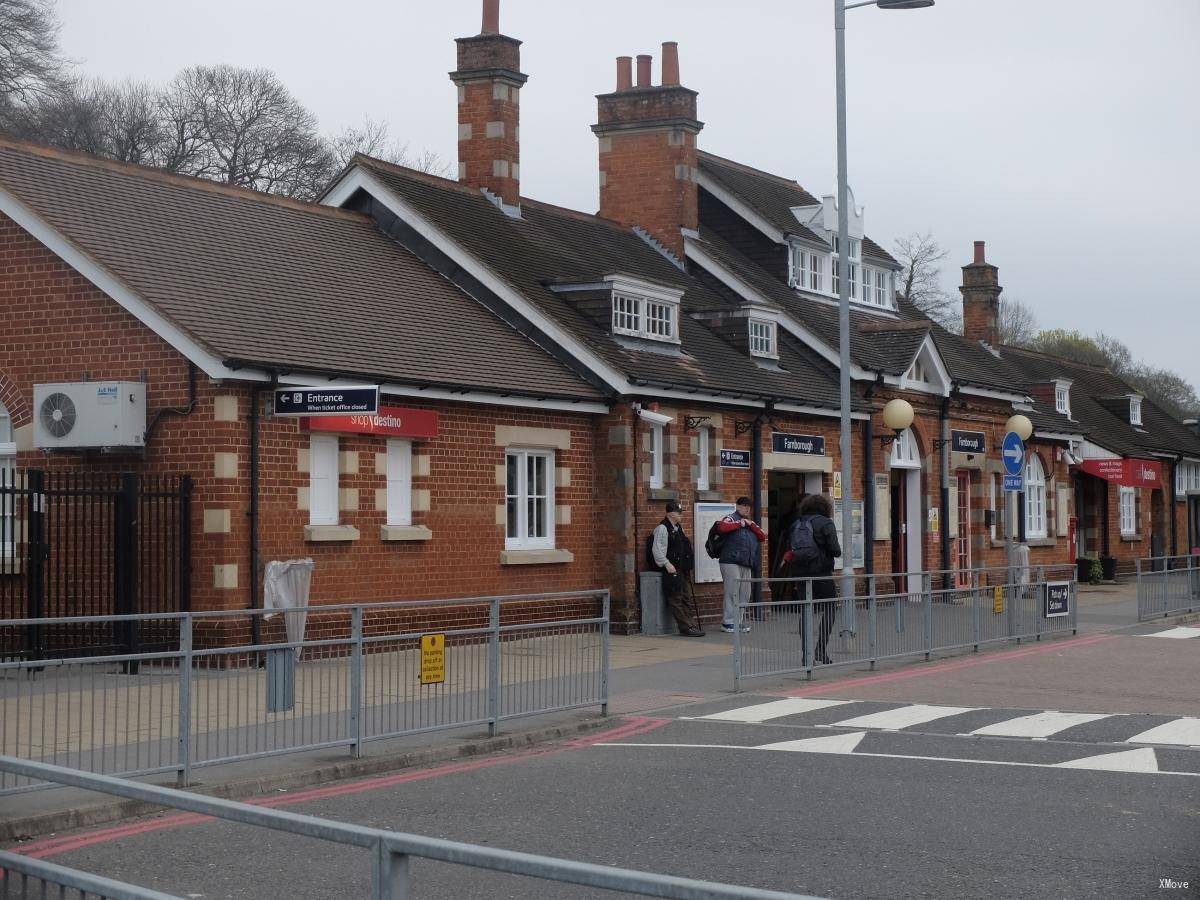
550 377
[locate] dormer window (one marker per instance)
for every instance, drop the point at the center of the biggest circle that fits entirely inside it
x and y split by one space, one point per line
643 317
808 269
917 373
1062 398
1135 411
763 338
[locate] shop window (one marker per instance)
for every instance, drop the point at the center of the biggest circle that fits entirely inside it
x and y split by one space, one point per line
399 482
657 439
323 479
529 500
8 454
1035 498
702 442
1129 517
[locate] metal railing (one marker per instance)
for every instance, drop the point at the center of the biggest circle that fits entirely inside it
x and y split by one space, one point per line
359 675
23 878
391 851
789 636
1167 585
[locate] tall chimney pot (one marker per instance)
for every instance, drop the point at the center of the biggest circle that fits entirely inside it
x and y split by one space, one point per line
643 69
979 254
624 73
670 64
491 16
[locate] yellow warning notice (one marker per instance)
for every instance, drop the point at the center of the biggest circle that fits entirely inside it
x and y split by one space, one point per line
433 658
998 599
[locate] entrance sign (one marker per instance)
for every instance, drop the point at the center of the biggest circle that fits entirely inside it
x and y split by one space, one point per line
708 570
327 401
735 459
1058 599
390 421
811 444
1013 453
968 442
1014 482
433 658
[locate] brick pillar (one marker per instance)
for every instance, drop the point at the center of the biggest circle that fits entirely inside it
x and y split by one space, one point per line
648 157
489 80
981 300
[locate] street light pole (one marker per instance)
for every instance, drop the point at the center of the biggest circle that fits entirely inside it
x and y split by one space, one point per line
843 269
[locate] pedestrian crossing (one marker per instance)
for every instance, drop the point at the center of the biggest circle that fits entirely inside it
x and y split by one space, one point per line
868 715
1183 632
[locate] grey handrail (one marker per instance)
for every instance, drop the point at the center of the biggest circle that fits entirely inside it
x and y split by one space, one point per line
60 876
392 848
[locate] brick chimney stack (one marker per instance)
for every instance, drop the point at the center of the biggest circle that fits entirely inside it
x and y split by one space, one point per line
981 299
489 80
648 157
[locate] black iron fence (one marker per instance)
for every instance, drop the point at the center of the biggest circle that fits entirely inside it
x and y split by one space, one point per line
92 544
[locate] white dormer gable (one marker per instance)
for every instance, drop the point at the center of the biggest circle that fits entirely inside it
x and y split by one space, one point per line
644 309
831 221
927 373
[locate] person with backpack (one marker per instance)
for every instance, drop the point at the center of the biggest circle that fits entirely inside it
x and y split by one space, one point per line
740 559
812 547
671 554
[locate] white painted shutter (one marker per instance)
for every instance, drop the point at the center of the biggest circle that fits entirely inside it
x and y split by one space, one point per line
323 479
399 482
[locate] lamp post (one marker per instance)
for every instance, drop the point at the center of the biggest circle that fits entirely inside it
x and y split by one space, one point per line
1023 428
839 28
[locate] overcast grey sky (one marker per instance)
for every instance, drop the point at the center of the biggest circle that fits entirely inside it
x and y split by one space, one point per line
1066 133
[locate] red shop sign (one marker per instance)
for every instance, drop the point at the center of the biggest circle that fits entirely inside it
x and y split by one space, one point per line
1108 469
1143 473
392 421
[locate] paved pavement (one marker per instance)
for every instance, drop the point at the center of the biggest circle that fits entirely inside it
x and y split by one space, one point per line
1066 768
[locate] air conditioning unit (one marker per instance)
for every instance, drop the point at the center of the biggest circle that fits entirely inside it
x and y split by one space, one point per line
89 415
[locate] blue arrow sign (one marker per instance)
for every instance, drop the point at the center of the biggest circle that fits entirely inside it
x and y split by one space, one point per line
1013 453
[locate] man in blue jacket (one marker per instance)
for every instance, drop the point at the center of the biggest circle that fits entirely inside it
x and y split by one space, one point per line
741 560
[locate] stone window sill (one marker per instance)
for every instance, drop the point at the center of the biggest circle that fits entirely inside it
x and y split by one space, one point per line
1132 538
535 557
326 534
398 533
708 496
1042 542
662 494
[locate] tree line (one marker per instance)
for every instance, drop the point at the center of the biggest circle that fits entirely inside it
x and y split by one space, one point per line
239 126
921 282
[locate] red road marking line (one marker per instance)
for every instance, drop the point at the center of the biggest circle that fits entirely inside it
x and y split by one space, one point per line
57 846
947 666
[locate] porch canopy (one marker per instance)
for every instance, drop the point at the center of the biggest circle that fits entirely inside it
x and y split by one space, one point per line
1139 473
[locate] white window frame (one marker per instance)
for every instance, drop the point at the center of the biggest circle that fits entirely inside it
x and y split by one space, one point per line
905 453
1062 400
650 318
1036 519
658 439
520 493
323 467
703 440
1135 411
626 314
765 342
881 291
1187 478
660 320
1128 509
8 472
993 478
399 482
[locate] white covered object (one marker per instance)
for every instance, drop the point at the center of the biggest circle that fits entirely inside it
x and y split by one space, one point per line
285 587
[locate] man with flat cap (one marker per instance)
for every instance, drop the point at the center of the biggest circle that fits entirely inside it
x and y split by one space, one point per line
671 553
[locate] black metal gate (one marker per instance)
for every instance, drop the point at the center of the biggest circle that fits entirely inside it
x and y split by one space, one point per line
92 544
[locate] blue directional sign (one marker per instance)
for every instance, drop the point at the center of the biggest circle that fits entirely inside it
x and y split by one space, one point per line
735 459
1013 453
1014 482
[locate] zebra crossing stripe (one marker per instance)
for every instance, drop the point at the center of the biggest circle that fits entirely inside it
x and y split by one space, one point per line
904 717
1181 632
1043 724
764 712
1184 731
1141 760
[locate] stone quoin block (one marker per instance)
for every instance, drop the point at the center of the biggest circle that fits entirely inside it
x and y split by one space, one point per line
225 577
217 521
225 409
225 465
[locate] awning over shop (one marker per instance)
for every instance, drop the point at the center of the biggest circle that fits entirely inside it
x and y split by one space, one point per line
1141 473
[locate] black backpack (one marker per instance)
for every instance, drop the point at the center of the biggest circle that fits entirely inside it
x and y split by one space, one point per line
715 541
651 565
807 555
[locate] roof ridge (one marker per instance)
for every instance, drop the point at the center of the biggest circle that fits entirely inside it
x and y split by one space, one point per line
1027 351
428 177
792 182
162 176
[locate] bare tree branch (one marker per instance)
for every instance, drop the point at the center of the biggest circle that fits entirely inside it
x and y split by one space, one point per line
921 279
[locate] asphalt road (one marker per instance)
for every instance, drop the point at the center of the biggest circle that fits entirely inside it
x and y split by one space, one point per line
1062 770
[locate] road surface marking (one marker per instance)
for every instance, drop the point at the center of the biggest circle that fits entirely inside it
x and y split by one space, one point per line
1039 725
1142 760
1086 763
1182 731
904 717
763 712
1179 633
837 743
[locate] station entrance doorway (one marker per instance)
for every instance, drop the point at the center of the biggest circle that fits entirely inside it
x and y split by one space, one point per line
785 490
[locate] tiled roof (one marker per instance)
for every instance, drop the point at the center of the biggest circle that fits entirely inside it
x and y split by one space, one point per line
278 283
773 197
968 362
549 246
1099 402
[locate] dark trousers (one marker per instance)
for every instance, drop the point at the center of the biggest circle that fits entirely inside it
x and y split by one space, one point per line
824 614
681 599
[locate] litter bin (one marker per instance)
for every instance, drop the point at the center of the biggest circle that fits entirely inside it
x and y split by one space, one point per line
286 587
